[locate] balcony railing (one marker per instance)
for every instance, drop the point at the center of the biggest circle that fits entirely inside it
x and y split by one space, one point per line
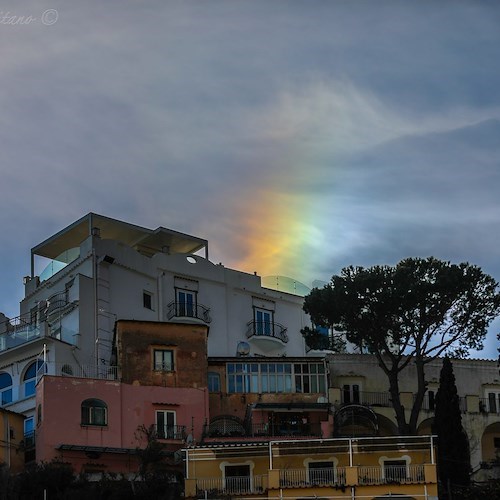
267 329
184 310
285 429
177 432
391 474
239 485
487 405
367 398
321 343
295 478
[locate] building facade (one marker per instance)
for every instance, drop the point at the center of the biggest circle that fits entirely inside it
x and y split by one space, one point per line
158 390
359 394
99 270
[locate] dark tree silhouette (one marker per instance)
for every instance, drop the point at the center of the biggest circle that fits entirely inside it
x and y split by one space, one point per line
453 445
414 312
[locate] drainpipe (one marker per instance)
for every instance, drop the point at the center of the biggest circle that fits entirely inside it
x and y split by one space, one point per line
96 326
159 285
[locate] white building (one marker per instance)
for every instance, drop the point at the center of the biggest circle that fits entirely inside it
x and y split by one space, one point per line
99 269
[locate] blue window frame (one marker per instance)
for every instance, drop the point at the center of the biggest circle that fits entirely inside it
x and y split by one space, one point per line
5 388
30 377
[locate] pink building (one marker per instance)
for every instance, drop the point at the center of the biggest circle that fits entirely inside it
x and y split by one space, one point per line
93 423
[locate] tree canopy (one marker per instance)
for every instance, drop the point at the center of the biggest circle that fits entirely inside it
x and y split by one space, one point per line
416 311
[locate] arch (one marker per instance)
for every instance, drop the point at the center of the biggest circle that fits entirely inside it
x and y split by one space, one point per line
490 443
226 425
94 412
355 420
386 427
30 377
5 388
425 427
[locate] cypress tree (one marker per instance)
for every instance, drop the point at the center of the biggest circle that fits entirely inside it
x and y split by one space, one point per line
453 445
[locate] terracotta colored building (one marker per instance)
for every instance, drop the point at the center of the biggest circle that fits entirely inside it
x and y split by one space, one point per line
12 443
160 384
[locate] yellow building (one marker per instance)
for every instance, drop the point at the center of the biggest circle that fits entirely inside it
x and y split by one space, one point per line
11 440
354 468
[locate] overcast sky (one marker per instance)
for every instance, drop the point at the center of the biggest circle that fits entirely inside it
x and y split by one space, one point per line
298 137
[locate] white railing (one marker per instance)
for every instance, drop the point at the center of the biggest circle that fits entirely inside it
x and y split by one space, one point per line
402 474
312 477
240 485
105 372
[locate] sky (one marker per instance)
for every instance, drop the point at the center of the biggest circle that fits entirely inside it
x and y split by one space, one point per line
298 137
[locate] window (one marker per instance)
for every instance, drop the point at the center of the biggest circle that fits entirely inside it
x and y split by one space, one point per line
309 377
163 360
29 432
147 300
5 388
39 414
165 425
237 478
94 412
263 322
395 471
276 377
321 472
493 400
66 370
350 393
213 382
431 398
186 303
496 442
35 369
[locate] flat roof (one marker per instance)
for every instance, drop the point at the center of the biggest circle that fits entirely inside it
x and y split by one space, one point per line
148 241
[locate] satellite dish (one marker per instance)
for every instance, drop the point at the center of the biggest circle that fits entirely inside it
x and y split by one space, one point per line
243 349
322 399
189 439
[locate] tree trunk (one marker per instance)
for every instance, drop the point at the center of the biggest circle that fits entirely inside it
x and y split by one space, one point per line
419 396
399 409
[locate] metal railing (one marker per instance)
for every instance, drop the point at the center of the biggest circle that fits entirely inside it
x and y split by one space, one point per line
239 485
103 372
293 478
184 310
367 398
391 474
321 343
285 429
267 329
487 405
177 432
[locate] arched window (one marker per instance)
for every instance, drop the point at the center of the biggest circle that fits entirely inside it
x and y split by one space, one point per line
30 377
94 412
5 388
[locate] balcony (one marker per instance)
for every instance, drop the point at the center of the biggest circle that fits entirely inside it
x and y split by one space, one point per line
267 331
391 474
313 467
213 487
231 429
174 432
283 429
306 478
367 398
44 321
183 310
